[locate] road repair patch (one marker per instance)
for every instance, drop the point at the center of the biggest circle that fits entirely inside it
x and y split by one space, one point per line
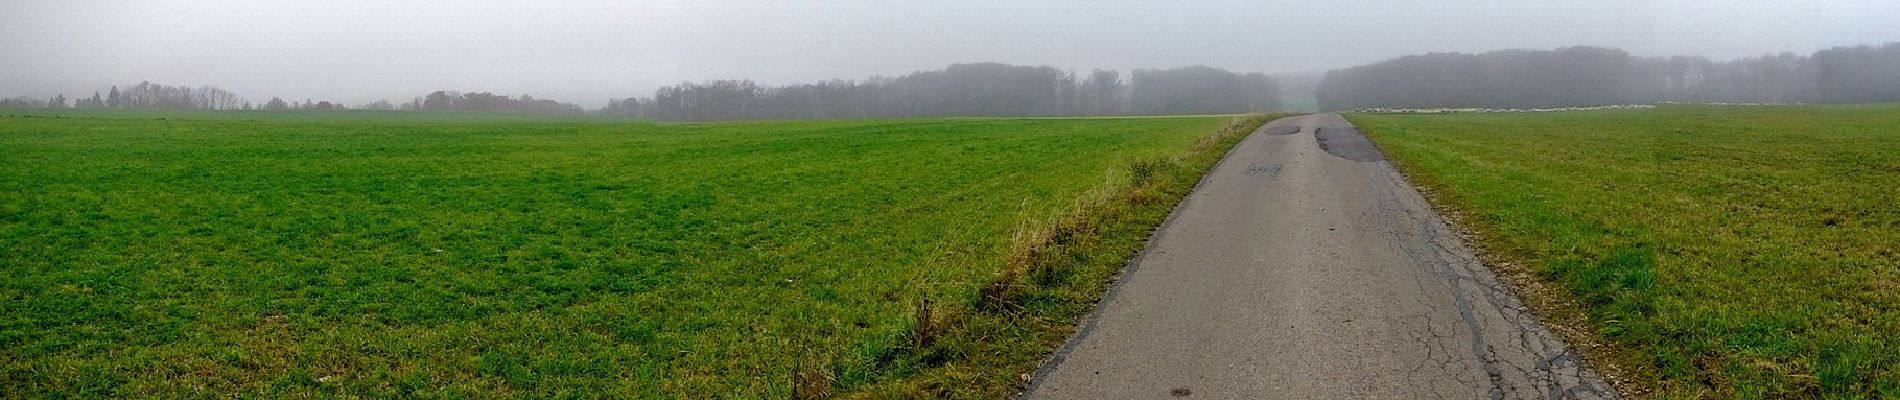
1346 142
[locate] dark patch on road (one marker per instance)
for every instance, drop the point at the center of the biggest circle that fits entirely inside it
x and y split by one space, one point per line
1346 142
1282 130
1181 392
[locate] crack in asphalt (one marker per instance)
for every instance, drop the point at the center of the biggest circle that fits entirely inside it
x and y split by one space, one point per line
1430 244
1268 168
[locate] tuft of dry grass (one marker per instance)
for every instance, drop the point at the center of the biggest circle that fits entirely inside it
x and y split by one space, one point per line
812 380
928 324
1037 244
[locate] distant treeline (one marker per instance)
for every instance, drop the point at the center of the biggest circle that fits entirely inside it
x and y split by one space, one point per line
147 95
1566 77
142 95
489 102
1591 76
965 90
443 100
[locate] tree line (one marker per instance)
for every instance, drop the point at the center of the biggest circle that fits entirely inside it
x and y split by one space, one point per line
964 90
961 90
147 95
142 95
1594 76
488 102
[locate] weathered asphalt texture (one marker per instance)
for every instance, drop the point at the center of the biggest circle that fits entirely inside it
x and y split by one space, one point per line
1305 267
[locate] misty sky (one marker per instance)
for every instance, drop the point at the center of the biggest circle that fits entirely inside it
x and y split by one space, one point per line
587 51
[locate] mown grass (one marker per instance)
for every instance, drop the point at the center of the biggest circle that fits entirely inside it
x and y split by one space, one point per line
272 255
1730 252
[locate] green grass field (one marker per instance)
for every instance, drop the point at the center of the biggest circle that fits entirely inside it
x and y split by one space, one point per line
1749 252
379 254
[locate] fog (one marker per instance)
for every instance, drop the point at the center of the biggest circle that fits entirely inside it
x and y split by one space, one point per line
588 52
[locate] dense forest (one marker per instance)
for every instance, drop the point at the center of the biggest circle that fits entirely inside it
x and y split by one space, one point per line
965 90
1200 90
1591 76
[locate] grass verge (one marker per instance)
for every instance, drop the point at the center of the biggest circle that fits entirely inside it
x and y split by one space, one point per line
984 340
1729 252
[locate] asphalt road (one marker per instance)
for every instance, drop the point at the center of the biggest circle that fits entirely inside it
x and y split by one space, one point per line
1305 267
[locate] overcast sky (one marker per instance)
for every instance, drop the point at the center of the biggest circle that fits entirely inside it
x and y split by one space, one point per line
588 51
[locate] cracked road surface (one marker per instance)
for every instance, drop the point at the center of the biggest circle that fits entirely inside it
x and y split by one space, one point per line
1305 267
